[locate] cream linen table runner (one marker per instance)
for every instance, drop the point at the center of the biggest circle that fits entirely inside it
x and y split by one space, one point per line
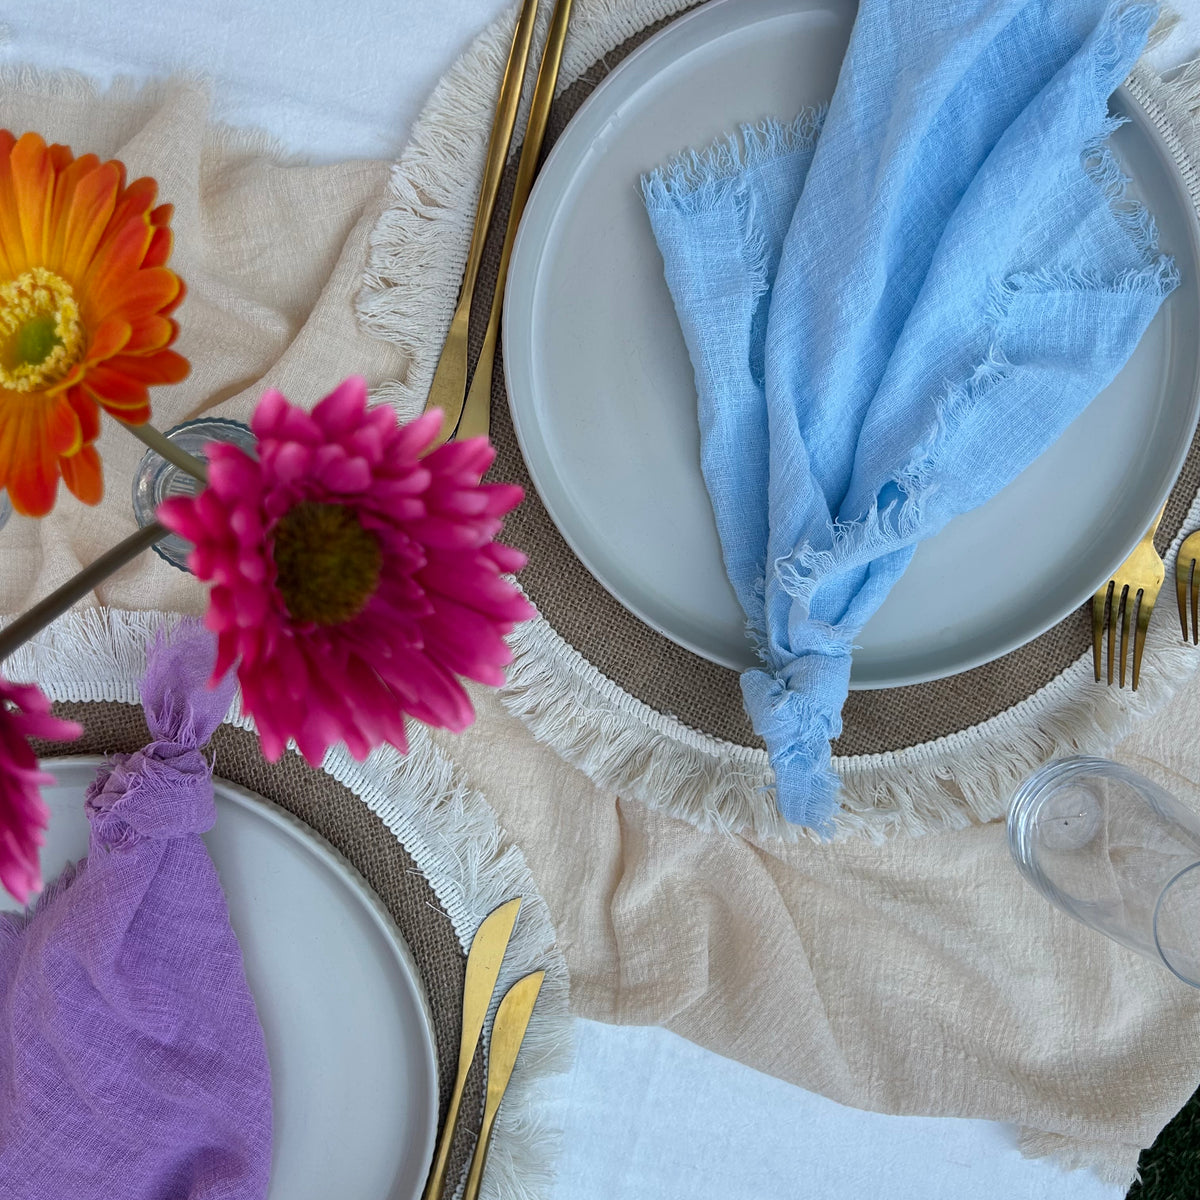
921 976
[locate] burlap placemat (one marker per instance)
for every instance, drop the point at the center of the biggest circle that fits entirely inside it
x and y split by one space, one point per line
348 825
701 694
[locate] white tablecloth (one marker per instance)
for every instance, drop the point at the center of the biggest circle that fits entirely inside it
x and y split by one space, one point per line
646 1113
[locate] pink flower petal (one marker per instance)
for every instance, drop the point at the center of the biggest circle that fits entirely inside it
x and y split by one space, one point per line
442 606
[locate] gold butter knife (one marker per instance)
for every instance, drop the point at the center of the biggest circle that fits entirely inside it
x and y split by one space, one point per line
508 1032
477 414
449 388
483 969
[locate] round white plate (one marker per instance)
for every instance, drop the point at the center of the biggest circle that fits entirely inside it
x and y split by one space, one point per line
604 404
349 1036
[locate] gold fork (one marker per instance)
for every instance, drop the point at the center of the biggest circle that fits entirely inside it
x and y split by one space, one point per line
449 388
1187 578
1136 582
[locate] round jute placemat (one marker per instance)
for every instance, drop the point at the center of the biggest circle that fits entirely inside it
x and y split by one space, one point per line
701 694
361 837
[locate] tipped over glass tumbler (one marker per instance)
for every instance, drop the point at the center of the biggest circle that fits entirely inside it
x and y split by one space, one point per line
157 479
1113 849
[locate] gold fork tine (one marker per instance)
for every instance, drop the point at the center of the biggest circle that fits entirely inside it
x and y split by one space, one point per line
1195 605
1099 602
1187 585
1135 584
1114 612
1128 600
1145 608
1181 595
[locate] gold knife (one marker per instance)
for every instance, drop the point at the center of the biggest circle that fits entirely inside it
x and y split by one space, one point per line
483 969
477 414
508 1032
449 389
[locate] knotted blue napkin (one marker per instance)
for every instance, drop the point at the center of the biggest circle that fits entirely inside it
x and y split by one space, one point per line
891 320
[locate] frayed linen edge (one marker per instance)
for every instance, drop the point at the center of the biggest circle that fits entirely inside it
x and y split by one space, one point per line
98 654
694 178
1115 1163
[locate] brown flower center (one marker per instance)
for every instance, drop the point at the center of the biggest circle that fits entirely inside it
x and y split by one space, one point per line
41 337
327 564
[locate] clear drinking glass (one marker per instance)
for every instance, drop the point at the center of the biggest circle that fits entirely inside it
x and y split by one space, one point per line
156 479
1116 851
5 508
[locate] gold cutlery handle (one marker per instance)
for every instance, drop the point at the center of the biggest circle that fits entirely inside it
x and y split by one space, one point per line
497 151
448 391
477 413
508 1032
483 969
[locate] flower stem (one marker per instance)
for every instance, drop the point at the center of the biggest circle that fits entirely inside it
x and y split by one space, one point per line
167 448
57 603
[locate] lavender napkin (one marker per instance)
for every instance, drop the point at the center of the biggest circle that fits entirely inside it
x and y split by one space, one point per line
133 1064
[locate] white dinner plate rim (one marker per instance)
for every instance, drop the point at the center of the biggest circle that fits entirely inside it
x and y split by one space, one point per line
518 351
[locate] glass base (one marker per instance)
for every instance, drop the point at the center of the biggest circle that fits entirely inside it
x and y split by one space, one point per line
157 480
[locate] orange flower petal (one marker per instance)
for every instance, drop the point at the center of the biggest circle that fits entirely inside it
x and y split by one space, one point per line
180 296
61 156
88 412
117 258
159 250
32 478
111 337
12 241
164 367
83 475
33 185
91 206
63 427
116 392
129 231
150 334
64 195
137 295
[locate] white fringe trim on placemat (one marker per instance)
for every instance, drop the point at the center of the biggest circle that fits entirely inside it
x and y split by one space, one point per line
449 830
418 251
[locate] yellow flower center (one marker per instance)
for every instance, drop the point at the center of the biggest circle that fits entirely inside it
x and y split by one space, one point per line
41 337
327 565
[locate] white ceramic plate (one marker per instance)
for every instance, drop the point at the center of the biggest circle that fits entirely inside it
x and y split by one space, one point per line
349 1036
603 398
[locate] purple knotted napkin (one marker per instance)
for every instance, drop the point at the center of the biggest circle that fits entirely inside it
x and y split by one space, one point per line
133 1063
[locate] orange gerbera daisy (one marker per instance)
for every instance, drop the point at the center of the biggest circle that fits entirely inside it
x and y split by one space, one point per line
85 300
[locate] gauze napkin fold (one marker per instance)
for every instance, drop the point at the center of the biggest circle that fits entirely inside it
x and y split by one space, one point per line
889 321
132 1062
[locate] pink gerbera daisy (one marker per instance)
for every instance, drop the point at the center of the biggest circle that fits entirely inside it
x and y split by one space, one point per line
24 714
353 580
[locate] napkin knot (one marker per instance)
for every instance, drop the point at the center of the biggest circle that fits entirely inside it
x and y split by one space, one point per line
166 790
805 695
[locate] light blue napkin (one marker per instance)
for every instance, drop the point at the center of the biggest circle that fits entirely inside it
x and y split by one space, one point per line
890 321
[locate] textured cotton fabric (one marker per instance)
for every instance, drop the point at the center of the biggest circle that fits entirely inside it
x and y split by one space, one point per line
890 321
132 1063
